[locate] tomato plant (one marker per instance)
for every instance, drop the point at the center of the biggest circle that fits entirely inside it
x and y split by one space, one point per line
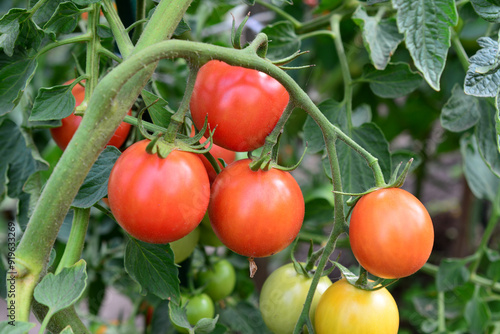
218 153
63 134
165 199
344 308
283 295
255 213
242 104
391 233
218 282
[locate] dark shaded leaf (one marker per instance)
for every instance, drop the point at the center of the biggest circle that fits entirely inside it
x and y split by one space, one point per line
451 273
460 112
53 103
395 81
282 40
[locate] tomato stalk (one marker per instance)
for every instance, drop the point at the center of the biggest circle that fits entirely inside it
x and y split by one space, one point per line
119 32
104 114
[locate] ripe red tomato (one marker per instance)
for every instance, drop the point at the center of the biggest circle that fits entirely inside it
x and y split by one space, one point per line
391 233
255 214
158 200
345 309
63 134
244 104
283 295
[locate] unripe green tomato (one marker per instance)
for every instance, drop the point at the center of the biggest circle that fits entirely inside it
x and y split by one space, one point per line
197 307
283 295
219 281
184 247
208 236
346 309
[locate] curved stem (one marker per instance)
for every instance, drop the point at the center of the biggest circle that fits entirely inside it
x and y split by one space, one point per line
459 49
76 240
441 313
296 23
105 52
77 39
141 14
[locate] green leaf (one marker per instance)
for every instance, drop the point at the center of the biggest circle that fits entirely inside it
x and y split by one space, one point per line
489 10
381 37
15 74
479 82
64 20
486 134
346 273
497 119
17 162
10 27
482 182
205 325
478 315
159 114
403 156
182 27
178 315
426 25
152 266
395 81
85 2
45 12
95 185
282 40
53 103
451 273
64 289
15 327
67 330
460 112
243 318
356 174
335 113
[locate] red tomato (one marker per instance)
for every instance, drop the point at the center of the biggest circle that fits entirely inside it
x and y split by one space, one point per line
391 233
244 104
255 214
63 134
158 200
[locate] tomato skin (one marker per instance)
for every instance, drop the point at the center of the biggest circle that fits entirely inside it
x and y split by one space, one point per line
283 295
255 214
391 233
184 247
63 134
244 104
345 309
158 200
219 281
197 307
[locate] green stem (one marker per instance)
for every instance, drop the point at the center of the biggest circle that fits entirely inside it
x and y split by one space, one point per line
177 119
119 32
37 6
432 269
296 24
45 322
76 240
488 232
104 114
105 52
441 313
78 39
338 228
149 126
459 49
344 65
316 33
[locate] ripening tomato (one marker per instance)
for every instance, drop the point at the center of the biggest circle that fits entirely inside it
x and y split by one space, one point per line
243 104
346 309
283 295
63 134
391 233
255 214
158 200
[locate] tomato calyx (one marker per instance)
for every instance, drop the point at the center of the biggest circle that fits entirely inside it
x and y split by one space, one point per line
308 269
362 281
267 161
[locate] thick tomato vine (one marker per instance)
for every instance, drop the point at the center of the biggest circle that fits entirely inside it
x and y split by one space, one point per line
255 213
63 134
158 200
345 309
391 233
243 104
